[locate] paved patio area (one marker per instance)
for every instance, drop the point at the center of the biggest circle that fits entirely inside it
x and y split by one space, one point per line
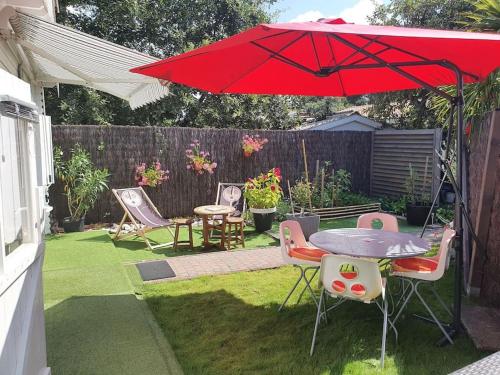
221 262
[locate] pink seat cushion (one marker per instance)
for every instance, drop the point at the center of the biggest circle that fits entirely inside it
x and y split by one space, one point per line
416 264
307 253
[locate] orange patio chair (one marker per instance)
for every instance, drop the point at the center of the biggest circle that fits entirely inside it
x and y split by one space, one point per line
296 251
389 222
425 270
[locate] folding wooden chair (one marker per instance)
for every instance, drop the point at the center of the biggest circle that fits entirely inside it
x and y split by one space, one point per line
143 215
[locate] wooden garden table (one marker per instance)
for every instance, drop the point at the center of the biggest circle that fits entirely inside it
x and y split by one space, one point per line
209 211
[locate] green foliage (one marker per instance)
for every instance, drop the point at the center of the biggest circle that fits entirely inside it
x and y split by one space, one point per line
418 193
162 29
410 109
347 198
339 183
264 191
83 183
318 107
397 206
302 194
481 97
484 17
446 214
283 207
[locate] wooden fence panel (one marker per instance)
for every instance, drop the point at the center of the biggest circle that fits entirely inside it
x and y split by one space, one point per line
393 150
121 148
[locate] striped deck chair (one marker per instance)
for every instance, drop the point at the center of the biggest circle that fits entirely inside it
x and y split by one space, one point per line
143 215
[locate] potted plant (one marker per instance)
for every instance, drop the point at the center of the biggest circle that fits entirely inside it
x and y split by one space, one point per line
151 176
199 161
251 144
419 201
301 194
263 194
83 184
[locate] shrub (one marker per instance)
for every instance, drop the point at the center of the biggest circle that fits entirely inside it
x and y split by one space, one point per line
284 207
83 182
301 194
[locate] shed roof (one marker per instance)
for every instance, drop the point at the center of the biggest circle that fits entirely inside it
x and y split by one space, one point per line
341 118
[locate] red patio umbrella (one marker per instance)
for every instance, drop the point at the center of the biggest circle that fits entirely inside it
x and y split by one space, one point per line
334 58
331 58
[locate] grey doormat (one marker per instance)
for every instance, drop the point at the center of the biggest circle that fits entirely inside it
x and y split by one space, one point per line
159 269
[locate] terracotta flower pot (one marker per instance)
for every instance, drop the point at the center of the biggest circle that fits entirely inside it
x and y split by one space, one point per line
198 167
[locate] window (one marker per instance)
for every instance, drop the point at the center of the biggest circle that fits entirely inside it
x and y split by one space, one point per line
14 184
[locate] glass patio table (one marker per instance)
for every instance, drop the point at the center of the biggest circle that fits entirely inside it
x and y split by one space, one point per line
370 243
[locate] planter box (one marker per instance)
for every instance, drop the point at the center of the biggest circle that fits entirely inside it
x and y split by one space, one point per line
342 212
70 226
309 223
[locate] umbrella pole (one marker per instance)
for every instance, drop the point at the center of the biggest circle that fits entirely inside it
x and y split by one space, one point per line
459 248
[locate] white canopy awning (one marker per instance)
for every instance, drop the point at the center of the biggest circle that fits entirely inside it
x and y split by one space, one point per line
59 54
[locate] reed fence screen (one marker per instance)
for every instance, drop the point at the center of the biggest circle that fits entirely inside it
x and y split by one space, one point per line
121 148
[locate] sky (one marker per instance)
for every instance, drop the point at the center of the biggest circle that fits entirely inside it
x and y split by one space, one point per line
354 11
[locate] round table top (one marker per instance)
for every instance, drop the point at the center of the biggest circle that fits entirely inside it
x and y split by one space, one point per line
370 243
214 209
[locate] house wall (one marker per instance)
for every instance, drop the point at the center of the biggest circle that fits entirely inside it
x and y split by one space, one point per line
22 325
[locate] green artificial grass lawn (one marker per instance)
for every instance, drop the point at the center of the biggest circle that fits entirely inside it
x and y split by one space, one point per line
134 249
229 324
94 322
217 325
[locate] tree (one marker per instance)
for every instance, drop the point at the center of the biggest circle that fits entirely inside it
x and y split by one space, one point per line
481 97
410 109
163 28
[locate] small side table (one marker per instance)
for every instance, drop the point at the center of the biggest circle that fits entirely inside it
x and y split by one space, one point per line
183 243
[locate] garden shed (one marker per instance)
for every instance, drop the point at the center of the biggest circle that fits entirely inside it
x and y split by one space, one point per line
347 120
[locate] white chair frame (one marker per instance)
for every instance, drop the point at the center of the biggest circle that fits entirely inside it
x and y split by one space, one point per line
370 277
411 281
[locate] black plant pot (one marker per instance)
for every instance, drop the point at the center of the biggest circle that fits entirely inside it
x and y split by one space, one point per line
309 223
263 219
417 213
69 225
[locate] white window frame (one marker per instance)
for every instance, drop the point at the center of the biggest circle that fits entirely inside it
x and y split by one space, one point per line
15 264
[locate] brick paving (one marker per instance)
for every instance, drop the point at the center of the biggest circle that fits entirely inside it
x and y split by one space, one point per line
222 262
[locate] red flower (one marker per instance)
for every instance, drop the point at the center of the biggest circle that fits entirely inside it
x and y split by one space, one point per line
277 172
468 129
273 187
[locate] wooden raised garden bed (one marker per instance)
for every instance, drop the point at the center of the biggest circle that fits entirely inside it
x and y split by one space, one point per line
342 212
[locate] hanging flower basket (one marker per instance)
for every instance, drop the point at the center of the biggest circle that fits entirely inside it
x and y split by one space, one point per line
198 161
151 176
251 144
